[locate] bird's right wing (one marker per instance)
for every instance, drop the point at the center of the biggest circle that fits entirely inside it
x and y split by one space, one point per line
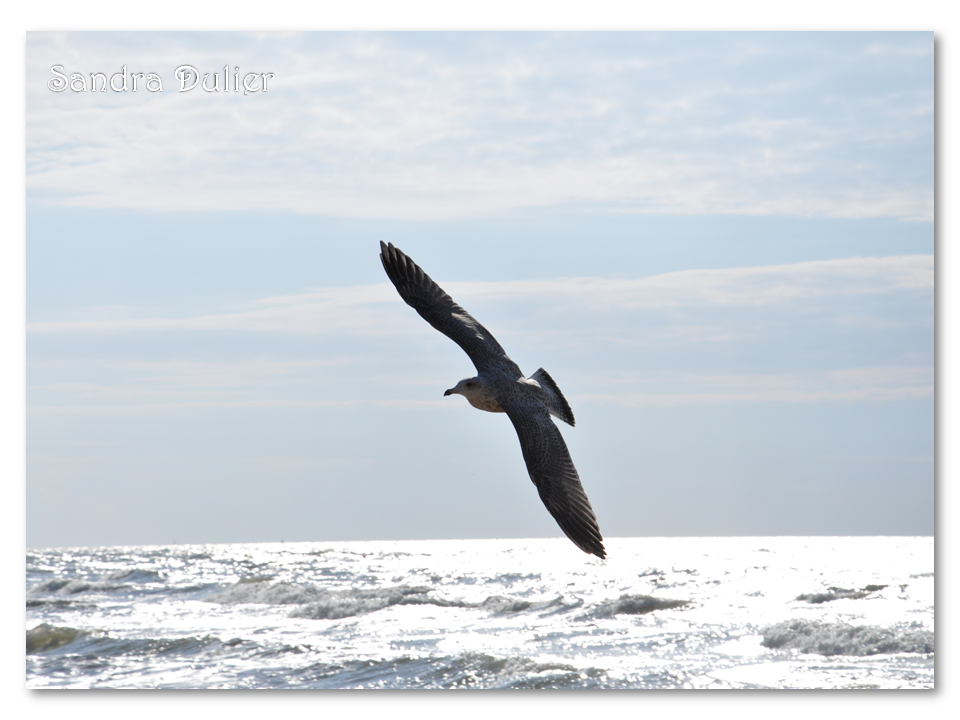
437 308
552 471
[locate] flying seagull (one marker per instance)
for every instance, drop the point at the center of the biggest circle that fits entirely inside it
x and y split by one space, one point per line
500 387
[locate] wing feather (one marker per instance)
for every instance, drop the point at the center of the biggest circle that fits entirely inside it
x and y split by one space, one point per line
552 471
421 293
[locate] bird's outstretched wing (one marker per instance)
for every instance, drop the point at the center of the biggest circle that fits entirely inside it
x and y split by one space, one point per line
552 471
437 308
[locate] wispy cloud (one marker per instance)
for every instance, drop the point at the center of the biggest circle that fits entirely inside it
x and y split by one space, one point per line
876 384
263 384
455 125
748 286
141 407
360 310
135 385
784 395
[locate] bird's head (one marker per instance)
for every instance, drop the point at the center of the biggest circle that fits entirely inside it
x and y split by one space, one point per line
466 387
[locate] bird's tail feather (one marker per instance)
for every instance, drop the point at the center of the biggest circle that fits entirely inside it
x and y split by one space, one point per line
556 403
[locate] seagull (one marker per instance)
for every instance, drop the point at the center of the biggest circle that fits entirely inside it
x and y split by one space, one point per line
500 387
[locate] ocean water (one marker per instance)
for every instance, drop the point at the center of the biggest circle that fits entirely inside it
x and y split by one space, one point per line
757 612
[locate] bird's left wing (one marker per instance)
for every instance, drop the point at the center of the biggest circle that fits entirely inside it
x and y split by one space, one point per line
437 308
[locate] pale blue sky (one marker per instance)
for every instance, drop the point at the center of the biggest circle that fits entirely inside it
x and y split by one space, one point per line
720 246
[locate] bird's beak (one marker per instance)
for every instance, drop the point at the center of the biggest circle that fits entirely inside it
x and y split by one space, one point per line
448 392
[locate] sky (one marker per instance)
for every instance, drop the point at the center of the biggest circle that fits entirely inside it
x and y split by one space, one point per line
720 245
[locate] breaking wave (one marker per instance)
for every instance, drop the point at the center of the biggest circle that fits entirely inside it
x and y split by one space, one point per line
50 637
468 671
814 636
836 593
637 605
74 587
324 604
336 604
321 603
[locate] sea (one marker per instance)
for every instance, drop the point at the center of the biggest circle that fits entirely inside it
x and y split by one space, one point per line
658 613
